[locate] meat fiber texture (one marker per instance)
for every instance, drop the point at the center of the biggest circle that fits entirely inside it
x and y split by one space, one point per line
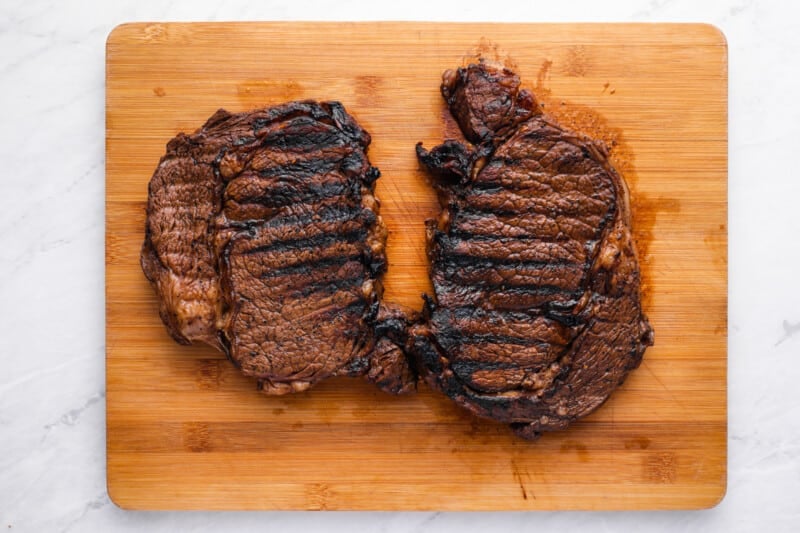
264 240
536 315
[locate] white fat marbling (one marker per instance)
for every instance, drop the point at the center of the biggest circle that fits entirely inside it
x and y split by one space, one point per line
52 434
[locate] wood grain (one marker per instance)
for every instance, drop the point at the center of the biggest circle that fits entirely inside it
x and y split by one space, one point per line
186 431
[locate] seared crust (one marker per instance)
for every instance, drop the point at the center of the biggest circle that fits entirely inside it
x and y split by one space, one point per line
264 240
536 316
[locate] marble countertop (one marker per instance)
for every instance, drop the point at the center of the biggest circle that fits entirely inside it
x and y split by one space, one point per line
52 419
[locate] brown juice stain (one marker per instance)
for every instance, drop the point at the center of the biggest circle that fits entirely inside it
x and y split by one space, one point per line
717 242
264 92
660 468
482 431
579 448
155 33
540 89
368 91
638 443
307 404
722 321
488 51
116 248
159 91
367 404
318 496
196 437
450 129
645 208
208 373
578 62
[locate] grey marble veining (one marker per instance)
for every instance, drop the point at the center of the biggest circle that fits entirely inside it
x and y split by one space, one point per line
52 433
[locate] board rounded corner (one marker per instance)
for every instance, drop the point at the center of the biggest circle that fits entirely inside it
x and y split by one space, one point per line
715 497
117 499
120 32
716 34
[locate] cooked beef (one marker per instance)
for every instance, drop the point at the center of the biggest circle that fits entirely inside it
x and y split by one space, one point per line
536 316
263 239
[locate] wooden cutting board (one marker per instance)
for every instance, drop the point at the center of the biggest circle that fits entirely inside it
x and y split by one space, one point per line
186 431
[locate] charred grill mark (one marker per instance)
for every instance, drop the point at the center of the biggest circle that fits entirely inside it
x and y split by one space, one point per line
287 112
282 289
295 219
516 295
500 240
510 290
320 240
306 267
469 271
283 194
557 227
331 114
510 249
454 260
355 308
531 299
340 212
350 162
303 136
476 313
330 286
504 202
306 168
465 368
459 337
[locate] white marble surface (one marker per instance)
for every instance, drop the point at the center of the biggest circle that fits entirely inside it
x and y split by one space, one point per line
52 434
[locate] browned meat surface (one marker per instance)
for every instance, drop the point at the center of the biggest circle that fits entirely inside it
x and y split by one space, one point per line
536 316
263 239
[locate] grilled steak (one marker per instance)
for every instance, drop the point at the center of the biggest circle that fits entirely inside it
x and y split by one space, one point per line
536 316
263 239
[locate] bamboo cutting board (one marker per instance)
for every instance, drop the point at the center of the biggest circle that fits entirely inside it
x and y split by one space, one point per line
186 431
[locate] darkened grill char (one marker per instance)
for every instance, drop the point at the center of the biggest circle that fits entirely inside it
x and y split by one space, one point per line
263 239
536 317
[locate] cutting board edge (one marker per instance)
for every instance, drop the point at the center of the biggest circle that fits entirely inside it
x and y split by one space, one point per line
120 500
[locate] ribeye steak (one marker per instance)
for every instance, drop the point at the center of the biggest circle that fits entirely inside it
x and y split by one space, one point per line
263 239
536 316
